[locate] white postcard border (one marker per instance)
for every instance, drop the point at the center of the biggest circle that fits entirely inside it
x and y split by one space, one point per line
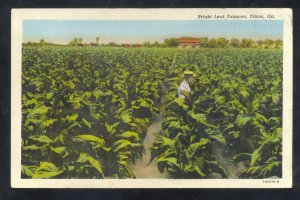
18 15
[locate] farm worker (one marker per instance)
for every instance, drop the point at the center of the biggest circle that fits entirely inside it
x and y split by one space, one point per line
184 89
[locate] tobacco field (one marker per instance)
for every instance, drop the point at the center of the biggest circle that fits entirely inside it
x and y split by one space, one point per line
86 111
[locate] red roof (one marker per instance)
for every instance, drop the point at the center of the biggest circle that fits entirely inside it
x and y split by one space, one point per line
188 40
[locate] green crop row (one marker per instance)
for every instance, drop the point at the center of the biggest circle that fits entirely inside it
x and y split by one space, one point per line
85 111
236 104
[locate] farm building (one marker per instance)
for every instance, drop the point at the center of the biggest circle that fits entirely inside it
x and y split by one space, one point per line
188 43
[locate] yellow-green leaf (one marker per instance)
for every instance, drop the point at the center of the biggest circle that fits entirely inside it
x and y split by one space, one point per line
84 157
72 118
87 123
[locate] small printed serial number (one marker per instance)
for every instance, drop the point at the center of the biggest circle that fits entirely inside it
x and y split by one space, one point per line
270 181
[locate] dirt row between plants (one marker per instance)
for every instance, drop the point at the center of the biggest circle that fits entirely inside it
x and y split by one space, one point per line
143 168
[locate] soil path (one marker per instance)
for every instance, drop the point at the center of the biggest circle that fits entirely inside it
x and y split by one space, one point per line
142 168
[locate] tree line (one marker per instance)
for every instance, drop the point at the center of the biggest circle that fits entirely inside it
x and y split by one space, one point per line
174 42
224 42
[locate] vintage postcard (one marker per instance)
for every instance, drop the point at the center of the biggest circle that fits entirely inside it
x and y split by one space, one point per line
151 98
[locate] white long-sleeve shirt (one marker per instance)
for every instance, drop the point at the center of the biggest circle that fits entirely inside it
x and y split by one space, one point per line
184 85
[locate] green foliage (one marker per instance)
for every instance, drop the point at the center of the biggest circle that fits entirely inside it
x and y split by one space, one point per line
84 157
85 111
98 142
236 103
46 170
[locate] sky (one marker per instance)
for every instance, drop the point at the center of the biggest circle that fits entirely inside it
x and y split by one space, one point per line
138 31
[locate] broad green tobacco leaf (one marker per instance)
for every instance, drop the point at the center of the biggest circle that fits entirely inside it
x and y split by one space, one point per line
130 134
76 124
229 127
111 128
94 115
90 138
41 139
70 85
180 102
260 118
47 123
242 121
30 148
141 122
197 169
98 93
60 151
201 118
72 118
278 132
144 103
220 99
49 95
173 124
123 163
169 160
47 170
195 146
123 143
164 141
84 157
168 119
29 170
42 110
33 121
215 134
235 134
31 102
252 171
126 118
274 119
256 156
267 170
244 93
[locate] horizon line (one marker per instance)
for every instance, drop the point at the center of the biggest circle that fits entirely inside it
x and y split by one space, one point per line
85 41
